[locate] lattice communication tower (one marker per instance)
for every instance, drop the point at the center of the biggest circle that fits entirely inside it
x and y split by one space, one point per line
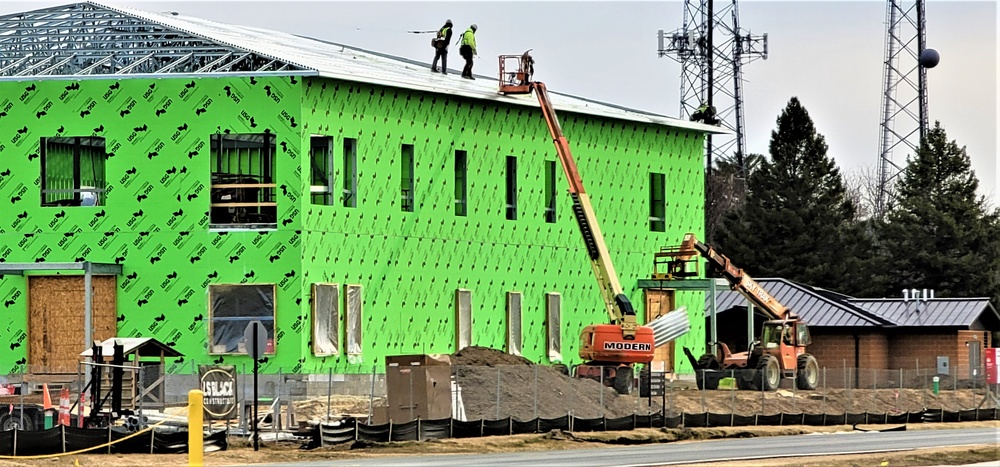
712 49
904 92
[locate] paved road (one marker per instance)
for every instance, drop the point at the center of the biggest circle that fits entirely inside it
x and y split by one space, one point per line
702 451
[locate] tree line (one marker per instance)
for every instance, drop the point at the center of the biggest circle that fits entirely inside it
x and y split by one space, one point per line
796 217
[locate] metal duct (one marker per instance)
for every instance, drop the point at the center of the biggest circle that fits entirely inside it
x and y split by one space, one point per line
670 326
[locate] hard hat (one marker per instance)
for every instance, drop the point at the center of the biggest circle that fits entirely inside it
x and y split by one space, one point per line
474 27
447 22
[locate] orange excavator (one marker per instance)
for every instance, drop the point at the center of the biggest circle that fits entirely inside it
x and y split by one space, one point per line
781 349
609 350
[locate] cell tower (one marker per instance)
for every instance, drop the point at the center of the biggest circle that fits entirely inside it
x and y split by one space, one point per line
904 92
712 49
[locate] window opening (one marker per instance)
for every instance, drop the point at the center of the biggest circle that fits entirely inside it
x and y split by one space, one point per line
511 188
233 307
406 178
243 188
550 192
657 202
461 184
321 165
326 319
73 171
514 323
553 305
463 312
350 196
352 302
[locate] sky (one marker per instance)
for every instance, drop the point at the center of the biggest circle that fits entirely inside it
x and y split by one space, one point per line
827 54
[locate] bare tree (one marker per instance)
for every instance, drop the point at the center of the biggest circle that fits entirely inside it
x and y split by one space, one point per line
862 187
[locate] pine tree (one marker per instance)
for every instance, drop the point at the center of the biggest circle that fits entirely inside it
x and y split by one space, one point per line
726 190
940 234
797 221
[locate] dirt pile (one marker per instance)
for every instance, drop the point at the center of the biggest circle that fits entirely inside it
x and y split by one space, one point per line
527 390
485 356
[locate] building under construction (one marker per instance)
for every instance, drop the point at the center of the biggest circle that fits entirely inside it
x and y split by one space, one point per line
196 176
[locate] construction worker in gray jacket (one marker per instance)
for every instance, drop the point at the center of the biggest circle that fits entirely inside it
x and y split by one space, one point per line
467 50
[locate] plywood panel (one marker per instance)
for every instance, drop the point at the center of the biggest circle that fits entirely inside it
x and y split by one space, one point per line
659 303
56 320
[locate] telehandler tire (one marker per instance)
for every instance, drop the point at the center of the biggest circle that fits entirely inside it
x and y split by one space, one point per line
768 376
807 377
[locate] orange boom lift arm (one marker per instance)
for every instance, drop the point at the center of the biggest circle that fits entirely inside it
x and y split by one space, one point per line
623 341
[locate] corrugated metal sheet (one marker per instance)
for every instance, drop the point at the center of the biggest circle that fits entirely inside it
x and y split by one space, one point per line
814 308
955 312
347 63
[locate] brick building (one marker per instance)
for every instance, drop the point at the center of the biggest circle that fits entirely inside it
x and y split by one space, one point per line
919 336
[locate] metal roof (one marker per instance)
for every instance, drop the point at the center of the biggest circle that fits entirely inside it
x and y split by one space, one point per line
809 303
95 40
146 347
953 312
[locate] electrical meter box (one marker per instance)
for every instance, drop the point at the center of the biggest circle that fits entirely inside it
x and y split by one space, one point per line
943 366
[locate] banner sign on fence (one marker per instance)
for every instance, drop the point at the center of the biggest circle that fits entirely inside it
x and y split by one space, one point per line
218 382
651 383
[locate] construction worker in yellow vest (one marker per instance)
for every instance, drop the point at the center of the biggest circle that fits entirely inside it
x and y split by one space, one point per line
441 48
468 49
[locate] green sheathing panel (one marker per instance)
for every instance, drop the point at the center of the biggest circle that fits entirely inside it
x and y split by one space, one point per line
410 264
154 219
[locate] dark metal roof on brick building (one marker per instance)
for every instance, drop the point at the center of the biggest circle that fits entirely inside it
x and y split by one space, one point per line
947 312
818 307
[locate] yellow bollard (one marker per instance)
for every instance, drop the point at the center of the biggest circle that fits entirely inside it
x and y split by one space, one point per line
196 437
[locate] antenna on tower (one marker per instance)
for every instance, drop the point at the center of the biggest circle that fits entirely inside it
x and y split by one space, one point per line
904 92
712 49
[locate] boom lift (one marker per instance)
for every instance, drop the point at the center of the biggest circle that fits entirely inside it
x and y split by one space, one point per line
781 348
610 350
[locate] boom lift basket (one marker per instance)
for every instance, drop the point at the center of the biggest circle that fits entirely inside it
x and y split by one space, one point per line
515 73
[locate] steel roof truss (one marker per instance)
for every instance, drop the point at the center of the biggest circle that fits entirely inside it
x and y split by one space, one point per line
97 64
127 69
211 64
16 64
175 63
36 65
59 65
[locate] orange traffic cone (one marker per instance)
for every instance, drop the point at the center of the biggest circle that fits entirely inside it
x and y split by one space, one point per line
47 406
46 397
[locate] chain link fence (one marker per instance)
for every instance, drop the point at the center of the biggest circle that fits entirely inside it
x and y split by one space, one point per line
290 401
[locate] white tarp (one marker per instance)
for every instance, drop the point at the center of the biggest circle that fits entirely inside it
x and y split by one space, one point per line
553 305
353 293
463 311
326 319
514 323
